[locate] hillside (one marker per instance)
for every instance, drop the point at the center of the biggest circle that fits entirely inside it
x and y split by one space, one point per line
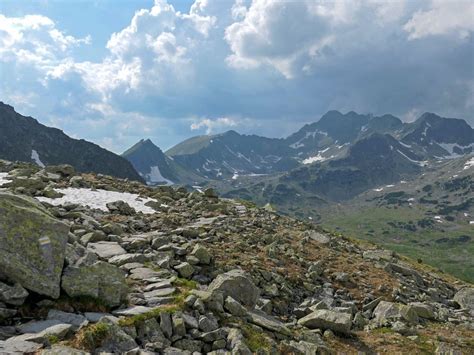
25 139
156 167
117 267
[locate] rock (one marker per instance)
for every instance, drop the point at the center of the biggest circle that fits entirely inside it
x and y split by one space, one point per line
100 280
64 170
78 321
207 324
325 319
123 259
12 346
132 311
265 321
37 326
217 334
178 324
193 346
166 324
14 295
465 298
210 193
238 285
116 341
149 331
386 255
234 307
63 350
106 250
236 342
121 207
33 245
423 310
387 312
320 238
185 270
202 254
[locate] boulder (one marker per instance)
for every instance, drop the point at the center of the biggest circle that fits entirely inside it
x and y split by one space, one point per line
106 250
14 295
465 298
388 312
99 280
33 245
202 254
238 285
325 319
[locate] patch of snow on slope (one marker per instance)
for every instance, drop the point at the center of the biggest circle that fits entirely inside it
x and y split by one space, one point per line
36 158
99 198
318 157
3 179
155 176
235 176
420 163
405 145
469 164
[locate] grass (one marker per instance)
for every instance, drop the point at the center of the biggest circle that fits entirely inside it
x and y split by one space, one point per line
256 340
52 339
454 258
91 336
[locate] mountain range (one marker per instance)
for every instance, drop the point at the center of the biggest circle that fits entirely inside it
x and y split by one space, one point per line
341 172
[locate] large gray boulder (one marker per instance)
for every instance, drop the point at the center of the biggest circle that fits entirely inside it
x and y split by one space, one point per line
388 312
32 245
237 284
325 319
100 280
465 298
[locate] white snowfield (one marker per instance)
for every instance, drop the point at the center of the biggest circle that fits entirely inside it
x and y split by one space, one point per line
3 179
469 164
99 198
35 156
155 176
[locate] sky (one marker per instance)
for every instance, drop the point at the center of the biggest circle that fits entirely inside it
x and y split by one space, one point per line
116 71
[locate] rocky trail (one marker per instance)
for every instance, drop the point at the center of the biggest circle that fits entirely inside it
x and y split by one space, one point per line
161 270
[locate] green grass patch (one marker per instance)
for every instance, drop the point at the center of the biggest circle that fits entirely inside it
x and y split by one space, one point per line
256 340
91 336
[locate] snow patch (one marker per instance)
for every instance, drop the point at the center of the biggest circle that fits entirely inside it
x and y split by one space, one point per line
318 157
155 176
36 158
469 164
98 199
378 190
3 179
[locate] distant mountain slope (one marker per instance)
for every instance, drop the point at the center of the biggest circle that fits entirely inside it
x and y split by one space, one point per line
25 139
155 167
231 154
436 136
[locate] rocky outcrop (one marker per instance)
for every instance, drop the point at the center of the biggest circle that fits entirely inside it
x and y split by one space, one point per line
100 280
33 245
325 319
238 285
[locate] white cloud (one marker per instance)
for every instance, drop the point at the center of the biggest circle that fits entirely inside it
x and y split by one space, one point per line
211 126
34 39
444 17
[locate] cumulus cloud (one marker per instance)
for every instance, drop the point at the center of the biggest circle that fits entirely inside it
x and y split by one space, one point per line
34 39
279 64
444 17
211 126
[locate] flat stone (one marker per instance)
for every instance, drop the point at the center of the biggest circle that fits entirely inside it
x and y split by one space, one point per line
132 311
265 321
157 285
37 326
123 259
13 347
161 292
325 319
106 250
77 320
94 317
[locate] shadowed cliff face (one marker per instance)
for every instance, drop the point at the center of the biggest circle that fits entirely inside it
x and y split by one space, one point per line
23 138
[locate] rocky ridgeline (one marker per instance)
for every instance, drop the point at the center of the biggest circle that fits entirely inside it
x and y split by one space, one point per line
203 275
